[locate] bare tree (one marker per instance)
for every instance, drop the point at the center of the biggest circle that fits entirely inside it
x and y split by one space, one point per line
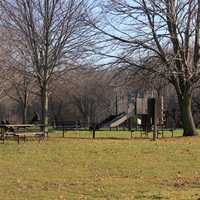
20 79
20 91
53 33
91 95
165 31
5 64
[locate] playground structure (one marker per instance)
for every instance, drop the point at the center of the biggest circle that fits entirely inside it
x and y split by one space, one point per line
141 112
144 114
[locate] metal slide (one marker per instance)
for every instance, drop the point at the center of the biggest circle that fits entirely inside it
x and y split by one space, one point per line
121 120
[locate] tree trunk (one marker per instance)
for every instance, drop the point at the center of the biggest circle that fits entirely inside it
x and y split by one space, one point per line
44 102
185 103
24 114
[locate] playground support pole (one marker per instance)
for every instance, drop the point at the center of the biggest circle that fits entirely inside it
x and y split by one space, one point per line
155 120
93 133
63 131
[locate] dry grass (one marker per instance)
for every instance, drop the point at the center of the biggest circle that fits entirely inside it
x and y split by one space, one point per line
102 169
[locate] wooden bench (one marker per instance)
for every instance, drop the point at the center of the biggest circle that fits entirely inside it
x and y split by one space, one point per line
39 135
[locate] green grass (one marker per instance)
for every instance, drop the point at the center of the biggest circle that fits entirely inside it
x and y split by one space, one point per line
101 169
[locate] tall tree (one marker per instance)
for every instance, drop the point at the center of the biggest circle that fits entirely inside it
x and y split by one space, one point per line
53 33
20 89
20 79
165 31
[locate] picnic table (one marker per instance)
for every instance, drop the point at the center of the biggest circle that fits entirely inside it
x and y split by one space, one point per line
20 131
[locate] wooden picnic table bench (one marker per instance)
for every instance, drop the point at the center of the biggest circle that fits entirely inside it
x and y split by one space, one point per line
39 135
19 131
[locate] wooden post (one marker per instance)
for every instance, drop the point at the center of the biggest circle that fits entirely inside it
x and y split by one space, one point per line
18 139
93 133
155 120
162 131
3 137
3 134
47 134
63 131
45 130
132 134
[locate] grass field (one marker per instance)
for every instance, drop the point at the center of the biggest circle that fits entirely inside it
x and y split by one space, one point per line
101 169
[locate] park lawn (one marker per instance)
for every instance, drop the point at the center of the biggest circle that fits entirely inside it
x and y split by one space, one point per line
102 169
